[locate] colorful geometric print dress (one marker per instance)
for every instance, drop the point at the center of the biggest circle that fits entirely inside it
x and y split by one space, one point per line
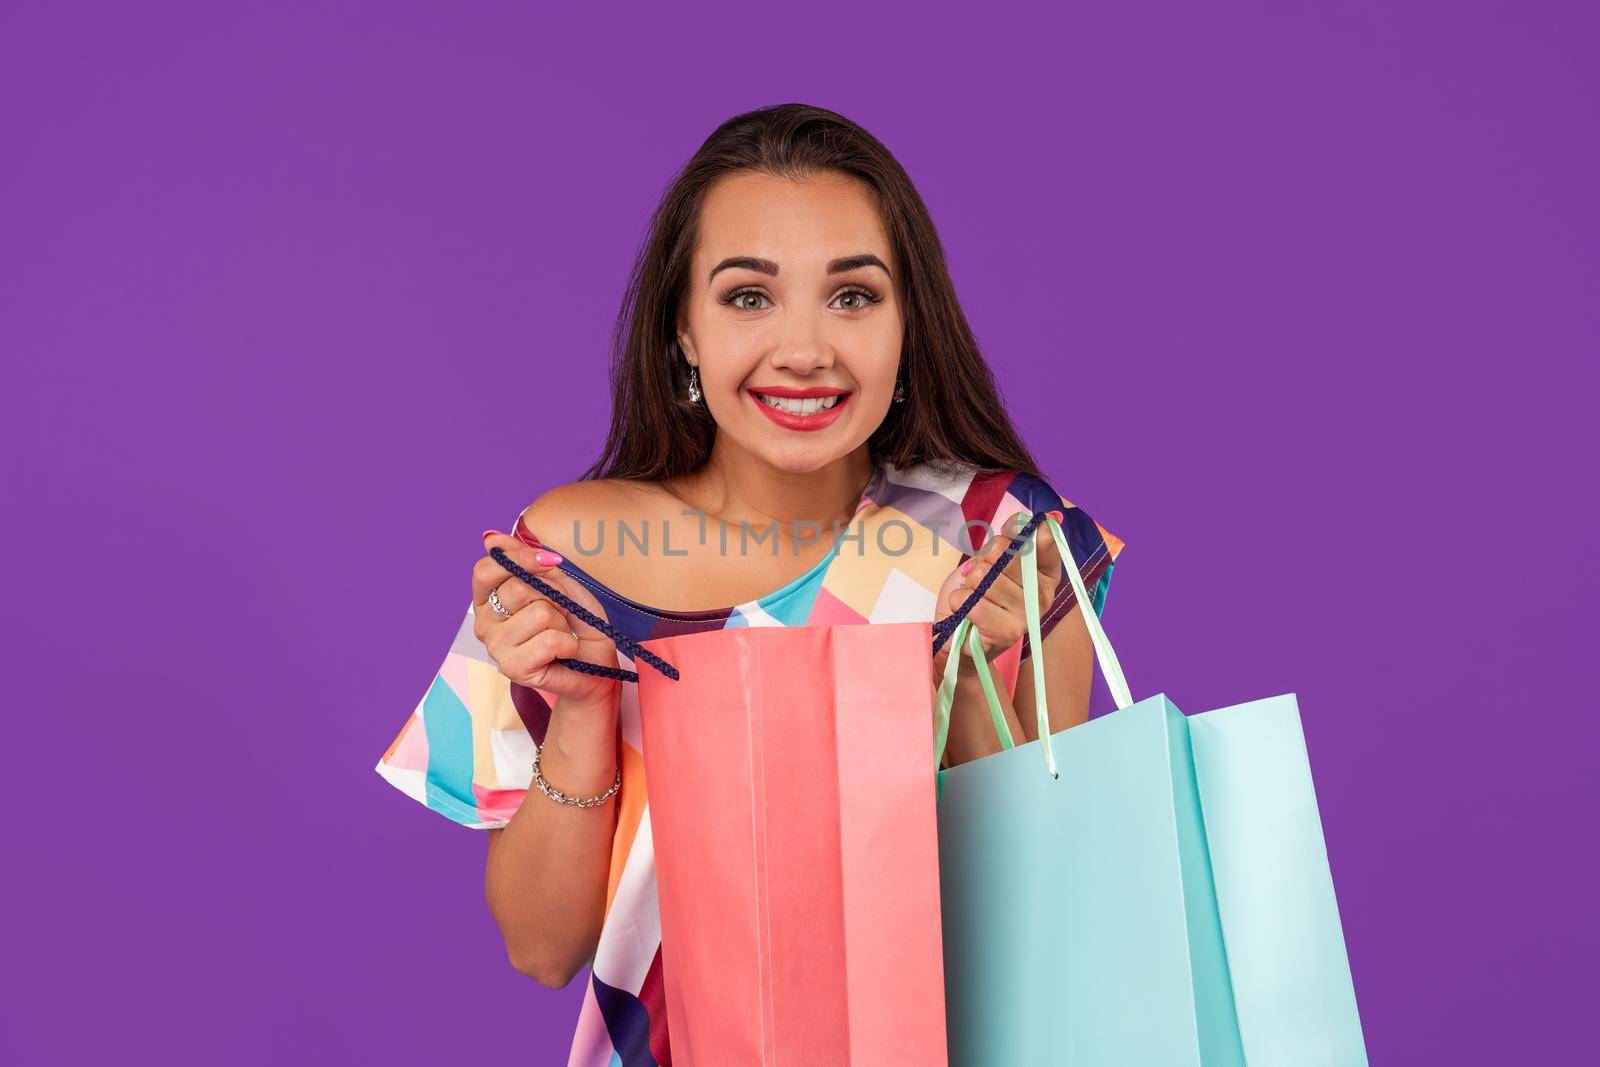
466 750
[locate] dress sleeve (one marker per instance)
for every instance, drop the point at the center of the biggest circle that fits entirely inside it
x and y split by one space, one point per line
1094 548
466 751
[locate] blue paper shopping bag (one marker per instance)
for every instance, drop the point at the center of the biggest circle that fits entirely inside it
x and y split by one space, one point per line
1144 888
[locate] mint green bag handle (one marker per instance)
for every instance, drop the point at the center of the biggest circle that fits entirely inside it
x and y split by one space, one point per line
1110 668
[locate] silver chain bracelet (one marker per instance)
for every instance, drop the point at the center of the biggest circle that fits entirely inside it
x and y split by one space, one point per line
561 798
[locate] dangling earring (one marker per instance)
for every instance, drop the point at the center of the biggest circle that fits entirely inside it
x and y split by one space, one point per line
899 391
694 385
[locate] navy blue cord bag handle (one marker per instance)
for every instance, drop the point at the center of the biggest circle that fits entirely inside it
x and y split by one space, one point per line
941 629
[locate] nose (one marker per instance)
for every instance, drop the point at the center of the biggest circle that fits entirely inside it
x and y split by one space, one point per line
801 352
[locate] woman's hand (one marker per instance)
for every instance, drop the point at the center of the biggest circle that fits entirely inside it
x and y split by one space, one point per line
539 631
999 617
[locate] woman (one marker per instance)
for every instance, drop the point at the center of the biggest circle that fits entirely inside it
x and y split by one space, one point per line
797 374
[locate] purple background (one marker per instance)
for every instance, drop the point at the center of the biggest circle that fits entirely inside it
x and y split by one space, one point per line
299 299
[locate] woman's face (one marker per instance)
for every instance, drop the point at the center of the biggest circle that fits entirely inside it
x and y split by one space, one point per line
793 294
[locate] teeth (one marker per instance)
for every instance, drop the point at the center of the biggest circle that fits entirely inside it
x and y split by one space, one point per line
808 406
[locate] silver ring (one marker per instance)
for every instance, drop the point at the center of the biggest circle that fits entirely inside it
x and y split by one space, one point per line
494 601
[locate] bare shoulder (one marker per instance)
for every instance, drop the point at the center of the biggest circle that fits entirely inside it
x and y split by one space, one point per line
560 511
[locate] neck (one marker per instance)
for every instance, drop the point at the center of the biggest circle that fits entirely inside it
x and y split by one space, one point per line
734 486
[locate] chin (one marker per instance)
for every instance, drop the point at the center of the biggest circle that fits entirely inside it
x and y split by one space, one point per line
803 459
801 462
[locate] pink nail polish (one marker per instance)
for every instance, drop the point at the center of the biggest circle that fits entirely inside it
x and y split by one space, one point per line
967 566
547 558
486 534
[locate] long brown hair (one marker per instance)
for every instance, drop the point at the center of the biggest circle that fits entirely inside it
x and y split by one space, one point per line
952 413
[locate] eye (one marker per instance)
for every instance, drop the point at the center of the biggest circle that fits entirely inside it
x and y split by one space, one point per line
865 297
738 295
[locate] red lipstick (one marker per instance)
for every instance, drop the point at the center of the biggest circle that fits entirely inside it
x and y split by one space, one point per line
791 421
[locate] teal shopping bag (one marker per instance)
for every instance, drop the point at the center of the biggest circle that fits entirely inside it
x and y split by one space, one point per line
1144 888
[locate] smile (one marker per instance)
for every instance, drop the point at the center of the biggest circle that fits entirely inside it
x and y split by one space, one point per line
804 406
801 412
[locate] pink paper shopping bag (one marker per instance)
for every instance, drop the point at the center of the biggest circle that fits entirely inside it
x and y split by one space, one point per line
790 772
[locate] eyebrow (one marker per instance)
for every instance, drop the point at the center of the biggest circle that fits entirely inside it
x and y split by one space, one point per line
766 266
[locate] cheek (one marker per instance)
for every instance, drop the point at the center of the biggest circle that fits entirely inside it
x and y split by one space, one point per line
725 381
886 367
875 375
725 369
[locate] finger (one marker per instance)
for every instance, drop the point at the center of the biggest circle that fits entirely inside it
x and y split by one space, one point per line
532 620
965 578
997 543
533 662
1007 582
516 591
488 575
1002 591
580 593
512 594
1048 562
1001 606
1049 553
1040 541
997 628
